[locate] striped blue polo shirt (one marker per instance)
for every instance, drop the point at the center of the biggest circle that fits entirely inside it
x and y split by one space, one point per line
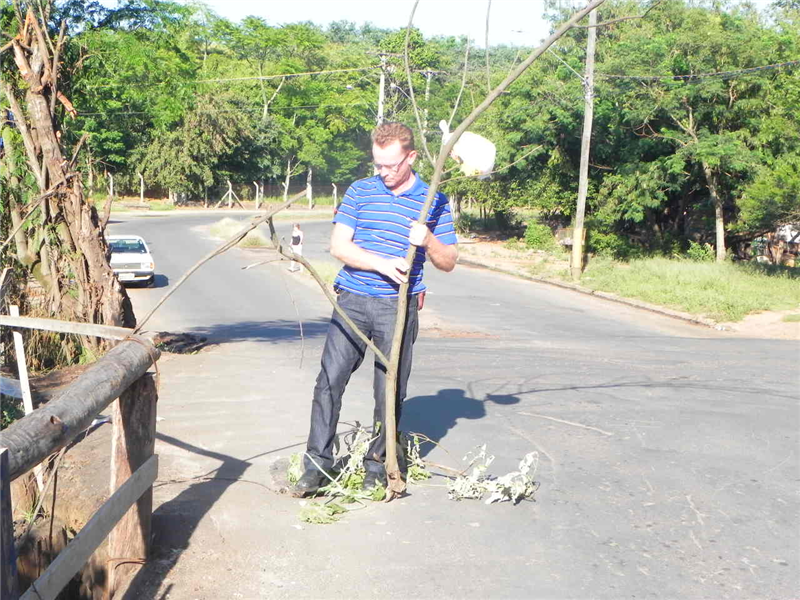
381 222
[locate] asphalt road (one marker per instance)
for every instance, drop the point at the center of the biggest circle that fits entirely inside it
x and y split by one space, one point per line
668 453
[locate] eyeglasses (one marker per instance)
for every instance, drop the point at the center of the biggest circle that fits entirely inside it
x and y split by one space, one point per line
391 168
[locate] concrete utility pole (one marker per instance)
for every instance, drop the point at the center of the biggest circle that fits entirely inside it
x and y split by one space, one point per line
427 74
576 266
382 89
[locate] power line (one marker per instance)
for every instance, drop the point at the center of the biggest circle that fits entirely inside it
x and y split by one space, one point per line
230 79
719 75
224 110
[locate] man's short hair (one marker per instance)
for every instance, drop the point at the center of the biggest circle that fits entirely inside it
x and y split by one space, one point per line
383 135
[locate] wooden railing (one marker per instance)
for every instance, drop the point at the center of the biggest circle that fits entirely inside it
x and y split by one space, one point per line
125 517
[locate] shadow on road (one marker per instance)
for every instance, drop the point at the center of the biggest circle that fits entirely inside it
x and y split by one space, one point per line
159 281
262 331
175 521
434 416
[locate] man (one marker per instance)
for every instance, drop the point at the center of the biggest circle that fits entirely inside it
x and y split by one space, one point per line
372 231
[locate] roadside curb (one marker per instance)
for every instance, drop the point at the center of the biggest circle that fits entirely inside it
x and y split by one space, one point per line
675 314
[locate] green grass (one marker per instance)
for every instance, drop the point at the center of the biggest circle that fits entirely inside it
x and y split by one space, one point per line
791 318
723 292
326 270
227 227
158 205
318 200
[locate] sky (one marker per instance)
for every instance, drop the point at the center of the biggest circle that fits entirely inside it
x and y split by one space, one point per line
517 22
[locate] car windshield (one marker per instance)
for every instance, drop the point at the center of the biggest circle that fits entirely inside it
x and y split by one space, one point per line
128 246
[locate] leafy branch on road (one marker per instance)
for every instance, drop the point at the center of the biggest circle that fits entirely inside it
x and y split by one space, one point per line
472 483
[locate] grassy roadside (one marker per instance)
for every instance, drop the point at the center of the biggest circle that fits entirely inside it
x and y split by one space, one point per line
725 292
227 227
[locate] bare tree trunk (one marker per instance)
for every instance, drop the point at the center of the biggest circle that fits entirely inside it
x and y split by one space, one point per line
719 217
455 207
309 190
90 167
81 251
20 239
288 178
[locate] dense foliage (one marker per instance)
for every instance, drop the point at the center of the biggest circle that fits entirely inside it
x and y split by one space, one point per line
190 100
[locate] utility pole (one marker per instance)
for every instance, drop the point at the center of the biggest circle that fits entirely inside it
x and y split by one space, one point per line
576 265
382 89
428 74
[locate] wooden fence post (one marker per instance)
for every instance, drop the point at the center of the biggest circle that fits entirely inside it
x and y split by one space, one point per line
132 444
9 586
24 384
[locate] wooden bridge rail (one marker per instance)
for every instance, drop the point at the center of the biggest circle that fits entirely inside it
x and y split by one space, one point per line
126 515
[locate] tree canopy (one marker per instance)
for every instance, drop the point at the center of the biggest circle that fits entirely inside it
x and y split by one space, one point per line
690 129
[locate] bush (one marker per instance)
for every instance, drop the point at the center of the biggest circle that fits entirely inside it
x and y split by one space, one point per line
700 252
539 237
612 245
465 223
10 412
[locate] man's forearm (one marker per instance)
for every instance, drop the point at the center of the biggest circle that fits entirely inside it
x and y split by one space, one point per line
354 256
443 256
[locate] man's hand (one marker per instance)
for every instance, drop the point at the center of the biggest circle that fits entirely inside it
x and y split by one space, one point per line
395 269
441 255
419 234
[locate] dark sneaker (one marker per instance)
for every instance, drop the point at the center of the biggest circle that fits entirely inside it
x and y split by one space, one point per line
374 479
309 483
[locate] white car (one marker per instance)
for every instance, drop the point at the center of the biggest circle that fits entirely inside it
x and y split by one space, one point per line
131 259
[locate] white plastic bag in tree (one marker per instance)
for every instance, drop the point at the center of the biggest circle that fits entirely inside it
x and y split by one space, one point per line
474 152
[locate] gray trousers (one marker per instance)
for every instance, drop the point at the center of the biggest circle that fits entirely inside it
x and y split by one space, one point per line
343 354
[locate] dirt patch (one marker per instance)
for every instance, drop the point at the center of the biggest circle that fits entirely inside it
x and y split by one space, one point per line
495 253
441 332
769 324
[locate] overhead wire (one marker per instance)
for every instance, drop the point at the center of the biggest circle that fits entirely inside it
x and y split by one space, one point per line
608 76
232 79
699 76
226 110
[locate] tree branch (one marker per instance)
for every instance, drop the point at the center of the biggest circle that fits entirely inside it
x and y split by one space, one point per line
463 83
488 73
278 89
428 154
227 245
396 486
298 258
620 19
508 166
27 139
54 68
